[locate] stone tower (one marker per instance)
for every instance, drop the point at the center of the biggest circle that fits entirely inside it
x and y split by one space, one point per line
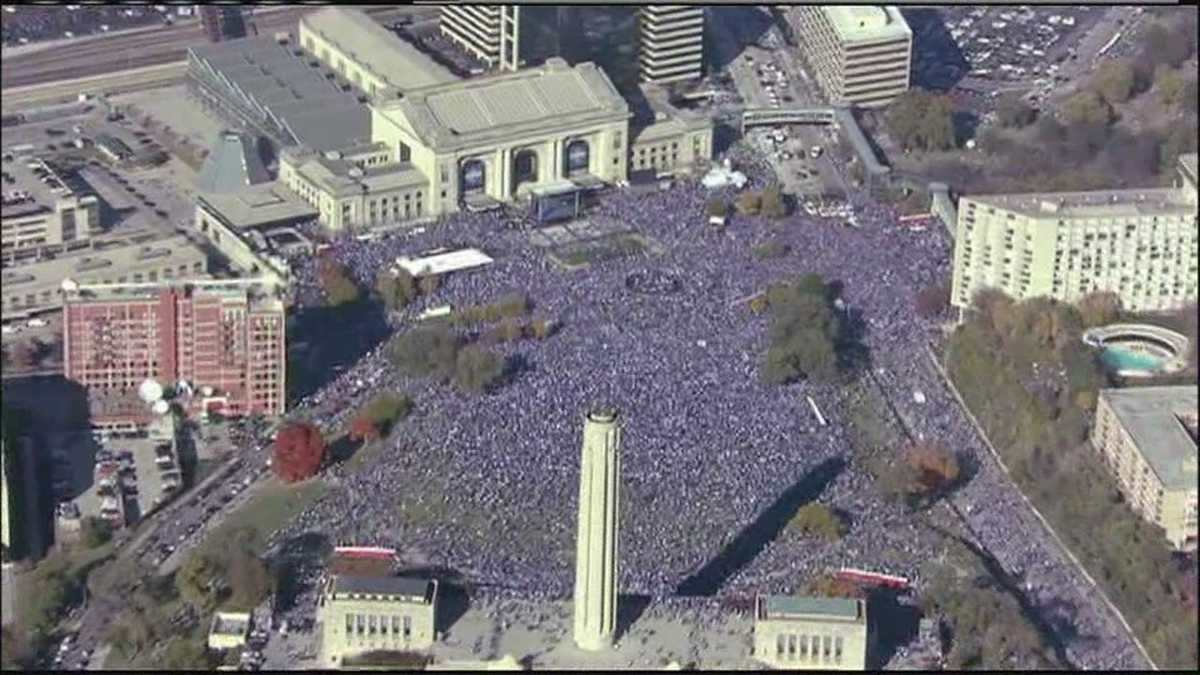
596 548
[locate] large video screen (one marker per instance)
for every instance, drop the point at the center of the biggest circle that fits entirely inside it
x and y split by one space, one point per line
553 208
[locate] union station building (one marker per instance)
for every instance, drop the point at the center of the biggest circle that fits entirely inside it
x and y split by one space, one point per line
426 143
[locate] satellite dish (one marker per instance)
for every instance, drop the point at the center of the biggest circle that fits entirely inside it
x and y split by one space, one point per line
69 285
150 391
161 407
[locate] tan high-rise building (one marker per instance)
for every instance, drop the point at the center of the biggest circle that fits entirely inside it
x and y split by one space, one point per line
798 633
860 54
671 43
1146 436
1140 244
596 550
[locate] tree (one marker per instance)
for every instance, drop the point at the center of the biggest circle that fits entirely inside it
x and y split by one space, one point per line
772 205
539 329
299 451
363 428
15 651
748 203
478 369
1087 107
199 581
396 289
248 578
426 351
819 520
509 331
1099 308
933 300
21 355
339 288
182 654
1013 111
1114 80
1170 85
935 467
919 119
94 531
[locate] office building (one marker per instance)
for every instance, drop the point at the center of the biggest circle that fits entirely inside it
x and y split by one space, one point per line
1140 244
362 614
798 633
490 33
671 43
43 214
1146 437
598 532
35 286
223 341
860 54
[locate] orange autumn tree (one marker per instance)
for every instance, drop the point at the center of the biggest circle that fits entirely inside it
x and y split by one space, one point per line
299 451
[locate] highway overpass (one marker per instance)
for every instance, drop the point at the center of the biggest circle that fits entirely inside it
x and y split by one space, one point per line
839 116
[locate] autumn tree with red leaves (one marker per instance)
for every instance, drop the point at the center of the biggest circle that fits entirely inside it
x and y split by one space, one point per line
363 428
299 451
934 468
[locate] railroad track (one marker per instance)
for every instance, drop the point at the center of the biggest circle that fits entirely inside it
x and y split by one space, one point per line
139 50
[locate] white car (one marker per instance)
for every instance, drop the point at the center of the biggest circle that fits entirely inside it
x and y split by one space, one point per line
9 330
36 323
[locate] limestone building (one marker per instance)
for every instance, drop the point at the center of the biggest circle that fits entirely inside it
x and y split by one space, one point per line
596 545
798 633
861 54
1146 437
671 43
1140 244
228 630
361 614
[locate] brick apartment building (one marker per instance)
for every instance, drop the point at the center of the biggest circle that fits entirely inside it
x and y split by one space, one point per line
226 345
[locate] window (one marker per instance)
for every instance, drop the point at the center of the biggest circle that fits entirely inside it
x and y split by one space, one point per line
804 646
837 648
780 645
405 152
407 627
826 644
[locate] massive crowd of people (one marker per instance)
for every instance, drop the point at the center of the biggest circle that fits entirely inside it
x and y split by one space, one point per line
707 447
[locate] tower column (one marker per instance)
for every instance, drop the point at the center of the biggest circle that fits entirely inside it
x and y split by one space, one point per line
596 546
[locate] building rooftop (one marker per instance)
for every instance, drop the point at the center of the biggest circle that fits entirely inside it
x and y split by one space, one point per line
36 188
407 588
257 293
109 258
230 623
342 177
258 205
796 607
441 263
488 109
1098 203
867 23
376 49
306 101
1152 416
233 163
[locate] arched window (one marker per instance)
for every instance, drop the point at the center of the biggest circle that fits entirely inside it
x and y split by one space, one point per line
474 176
578 158
524 168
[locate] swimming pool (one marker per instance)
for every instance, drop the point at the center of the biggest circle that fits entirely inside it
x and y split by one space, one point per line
1138 350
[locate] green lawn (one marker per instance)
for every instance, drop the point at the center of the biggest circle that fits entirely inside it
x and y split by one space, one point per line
274 505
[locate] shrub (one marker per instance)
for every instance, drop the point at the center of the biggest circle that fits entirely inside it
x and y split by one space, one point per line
716 207
771 249
95 531
539 329
933 300
748 203
758 304
396 290
512 305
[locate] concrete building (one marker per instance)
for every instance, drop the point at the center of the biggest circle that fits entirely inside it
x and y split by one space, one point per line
1146 437
239 224
596 544
228 630
43 213
798 633
367 55
361 614
1140 244
671 43
36 286
226 342
861 55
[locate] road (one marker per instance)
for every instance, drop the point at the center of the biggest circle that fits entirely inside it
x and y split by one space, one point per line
169 44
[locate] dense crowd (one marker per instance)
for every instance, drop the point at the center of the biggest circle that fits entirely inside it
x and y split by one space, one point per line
707 447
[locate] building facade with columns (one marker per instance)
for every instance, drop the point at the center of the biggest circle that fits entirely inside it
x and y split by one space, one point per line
480 142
